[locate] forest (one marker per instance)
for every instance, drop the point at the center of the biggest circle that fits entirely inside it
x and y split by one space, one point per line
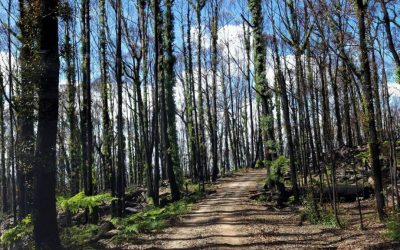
199 124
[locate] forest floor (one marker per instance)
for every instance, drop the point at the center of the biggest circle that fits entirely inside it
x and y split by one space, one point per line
229 219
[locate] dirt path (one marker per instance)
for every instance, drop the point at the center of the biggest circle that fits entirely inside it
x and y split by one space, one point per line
218 221
228 219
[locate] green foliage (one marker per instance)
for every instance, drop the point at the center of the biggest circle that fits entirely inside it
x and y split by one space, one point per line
76 237
363 157
311 209
393 227
263 197
155 218
81 201
20 231
328 219
397 74
315 215
278 168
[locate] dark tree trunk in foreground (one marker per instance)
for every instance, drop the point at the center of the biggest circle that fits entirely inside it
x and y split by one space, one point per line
44 214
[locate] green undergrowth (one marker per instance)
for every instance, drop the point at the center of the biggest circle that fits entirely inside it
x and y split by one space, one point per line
192 187
76 237
153 219
393 227
21 232
315 214
263 197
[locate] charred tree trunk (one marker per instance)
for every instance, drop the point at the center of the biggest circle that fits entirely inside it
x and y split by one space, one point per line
44 214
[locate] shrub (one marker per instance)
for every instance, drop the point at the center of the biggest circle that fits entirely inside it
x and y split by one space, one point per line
278 168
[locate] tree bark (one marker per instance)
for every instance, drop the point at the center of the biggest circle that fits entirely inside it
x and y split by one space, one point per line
44 215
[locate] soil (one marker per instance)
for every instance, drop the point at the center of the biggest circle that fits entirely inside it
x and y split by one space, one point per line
229 219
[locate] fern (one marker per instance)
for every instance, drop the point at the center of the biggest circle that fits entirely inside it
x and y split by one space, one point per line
81 201
20 231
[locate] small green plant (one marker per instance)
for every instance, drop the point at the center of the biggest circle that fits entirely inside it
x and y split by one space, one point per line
21 231
393 227
81 201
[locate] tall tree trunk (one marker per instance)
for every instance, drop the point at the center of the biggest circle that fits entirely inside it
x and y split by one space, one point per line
120 123
189 108
247 41
264 95
73 141
286 117
199 5
168 104
44 214
3 150
214 122
106 131
25 114
369 108
11 112
346 105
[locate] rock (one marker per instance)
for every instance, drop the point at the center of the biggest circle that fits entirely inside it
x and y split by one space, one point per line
371 181
104 228
132 210
110 233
